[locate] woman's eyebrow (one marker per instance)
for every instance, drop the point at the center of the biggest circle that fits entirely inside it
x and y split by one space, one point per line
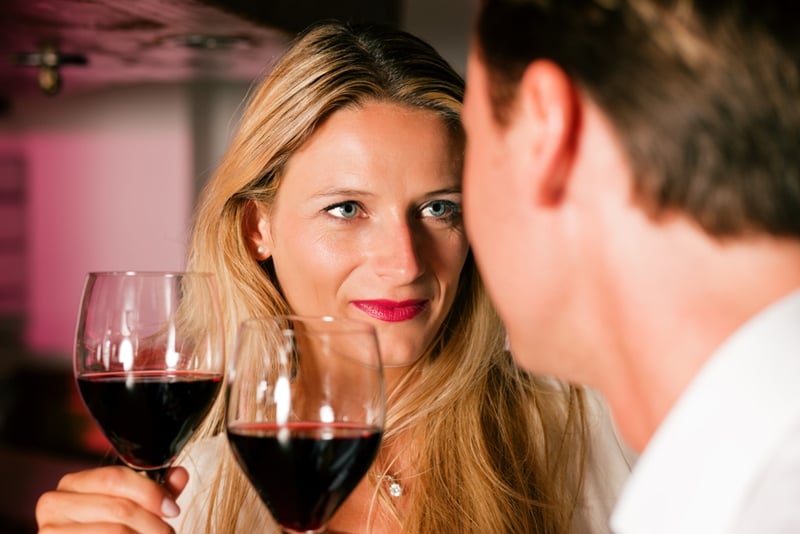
350 192
341 192
455 190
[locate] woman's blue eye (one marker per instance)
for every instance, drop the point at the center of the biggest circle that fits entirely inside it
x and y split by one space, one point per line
343 210
441 209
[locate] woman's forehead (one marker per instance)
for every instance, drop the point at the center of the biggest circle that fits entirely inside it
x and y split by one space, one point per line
378 142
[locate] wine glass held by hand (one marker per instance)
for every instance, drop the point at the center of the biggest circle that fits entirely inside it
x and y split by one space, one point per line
147 368
305 413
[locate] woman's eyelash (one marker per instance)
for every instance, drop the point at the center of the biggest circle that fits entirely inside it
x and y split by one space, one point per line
440 209
453 209
352 205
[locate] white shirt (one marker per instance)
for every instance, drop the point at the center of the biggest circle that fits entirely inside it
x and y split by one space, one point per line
726 459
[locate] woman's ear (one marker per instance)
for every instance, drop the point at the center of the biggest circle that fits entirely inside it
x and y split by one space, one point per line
257 231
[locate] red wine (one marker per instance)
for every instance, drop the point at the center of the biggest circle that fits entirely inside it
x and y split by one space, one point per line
148 415
304 471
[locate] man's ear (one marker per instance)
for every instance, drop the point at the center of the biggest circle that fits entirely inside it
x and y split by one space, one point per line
547 108
255 226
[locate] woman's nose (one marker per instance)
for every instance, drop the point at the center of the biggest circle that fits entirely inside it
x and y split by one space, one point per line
400 252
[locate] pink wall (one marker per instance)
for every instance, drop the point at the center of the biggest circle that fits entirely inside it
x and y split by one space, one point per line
109 187
111 180
12 227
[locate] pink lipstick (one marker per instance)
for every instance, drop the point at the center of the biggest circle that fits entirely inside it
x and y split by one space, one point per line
391 311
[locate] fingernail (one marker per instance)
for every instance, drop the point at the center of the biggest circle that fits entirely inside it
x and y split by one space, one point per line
169 508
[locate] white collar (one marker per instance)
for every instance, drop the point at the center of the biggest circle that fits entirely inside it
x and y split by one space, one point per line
694 473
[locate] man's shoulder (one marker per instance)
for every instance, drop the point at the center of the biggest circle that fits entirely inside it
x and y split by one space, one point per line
771 504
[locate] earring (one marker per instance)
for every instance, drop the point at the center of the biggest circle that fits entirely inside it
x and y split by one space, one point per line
261 252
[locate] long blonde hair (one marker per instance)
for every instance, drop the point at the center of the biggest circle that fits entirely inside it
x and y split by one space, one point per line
494 449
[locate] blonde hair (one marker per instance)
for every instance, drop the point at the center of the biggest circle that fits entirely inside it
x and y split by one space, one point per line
494 449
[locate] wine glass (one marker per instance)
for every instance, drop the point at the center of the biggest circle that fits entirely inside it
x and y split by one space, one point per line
149 360
306 408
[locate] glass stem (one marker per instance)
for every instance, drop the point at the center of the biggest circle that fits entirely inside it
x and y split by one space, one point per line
158 475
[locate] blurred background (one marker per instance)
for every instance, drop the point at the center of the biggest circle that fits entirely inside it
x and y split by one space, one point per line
113 114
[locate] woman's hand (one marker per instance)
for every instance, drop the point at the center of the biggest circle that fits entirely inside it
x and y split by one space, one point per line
110 500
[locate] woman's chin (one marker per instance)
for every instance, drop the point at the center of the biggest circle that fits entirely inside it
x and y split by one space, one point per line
398 359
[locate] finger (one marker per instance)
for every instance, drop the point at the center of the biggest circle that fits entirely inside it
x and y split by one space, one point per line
60 511
177 478
102 528
122 482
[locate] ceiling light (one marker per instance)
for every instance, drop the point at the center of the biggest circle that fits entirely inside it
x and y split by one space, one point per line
48 60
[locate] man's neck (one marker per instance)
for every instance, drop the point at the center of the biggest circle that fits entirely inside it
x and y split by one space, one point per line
695 297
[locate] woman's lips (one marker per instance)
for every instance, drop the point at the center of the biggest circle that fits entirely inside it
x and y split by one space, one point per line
391 311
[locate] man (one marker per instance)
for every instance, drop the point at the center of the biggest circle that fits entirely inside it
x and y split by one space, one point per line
632 192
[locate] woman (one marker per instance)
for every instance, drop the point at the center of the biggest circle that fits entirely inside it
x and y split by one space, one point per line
340 194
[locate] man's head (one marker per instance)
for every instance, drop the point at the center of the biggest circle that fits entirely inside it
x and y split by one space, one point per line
703 95
579 111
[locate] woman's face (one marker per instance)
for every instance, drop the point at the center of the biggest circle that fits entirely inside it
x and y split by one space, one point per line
367 224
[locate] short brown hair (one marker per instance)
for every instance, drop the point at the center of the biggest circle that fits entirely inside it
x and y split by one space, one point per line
704 96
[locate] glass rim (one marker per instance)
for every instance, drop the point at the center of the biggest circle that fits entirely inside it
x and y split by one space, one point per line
356 324
351 326
148 274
